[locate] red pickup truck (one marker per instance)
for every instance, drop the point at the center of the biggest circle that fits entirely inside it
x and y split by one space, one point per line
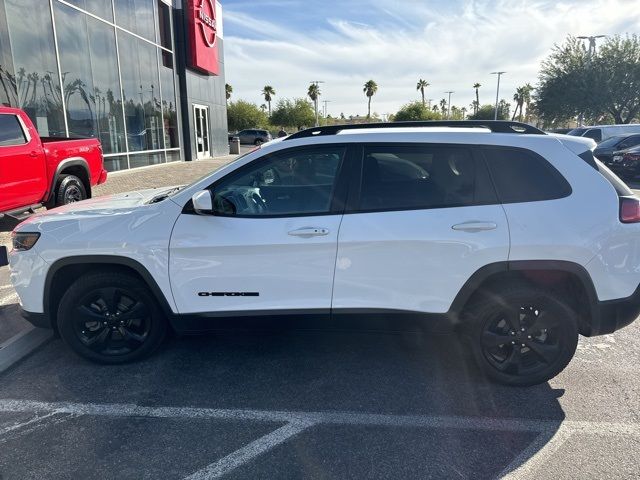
37 171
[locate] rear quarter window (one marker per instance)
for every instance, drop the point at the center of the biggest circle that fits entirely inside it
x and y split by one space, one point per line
521 175
11 131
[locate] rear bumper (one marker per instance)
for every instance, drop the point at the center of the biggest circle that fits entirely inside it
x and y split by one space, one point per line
612 315
102 178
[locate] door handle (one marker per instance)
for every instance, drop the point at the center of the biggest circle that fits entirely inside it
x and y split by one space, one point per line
306 232
33 154
473 226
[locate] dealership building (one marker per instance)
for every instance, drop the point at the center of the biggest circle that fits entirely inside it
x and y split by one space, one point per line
146 77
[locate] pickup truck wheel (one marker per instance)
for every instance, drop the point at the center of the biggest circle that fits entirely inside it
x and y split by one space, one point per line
70 190
521 335
111 318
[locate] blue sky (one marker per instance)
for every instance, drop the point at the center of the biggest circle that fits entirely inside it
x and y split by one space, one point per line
452 44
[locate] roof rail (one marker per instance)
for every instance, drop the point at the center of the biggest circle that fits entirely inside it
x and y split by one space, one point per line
496 126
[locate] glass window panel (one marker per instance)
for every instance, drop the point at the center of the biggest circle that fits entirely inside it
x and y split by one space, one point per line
164 25
101 8
106 86
145 159
36 79
137 16
112 164
75 62
11 131
289 183
174 156
139 69
169 101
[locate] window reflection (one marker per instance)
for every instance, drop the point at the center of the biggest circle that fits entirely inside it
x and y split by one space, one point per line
101 8
136 16
34 83
169 107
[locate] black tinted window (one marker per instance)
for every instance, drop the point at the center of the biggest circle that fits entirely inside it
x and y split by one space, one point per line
422 176
594 133
630 142
523 176
10 131
296 182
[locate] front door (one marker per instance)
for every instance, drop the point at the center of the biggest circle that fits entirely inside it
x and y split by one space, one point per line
425 219
201 120
271 243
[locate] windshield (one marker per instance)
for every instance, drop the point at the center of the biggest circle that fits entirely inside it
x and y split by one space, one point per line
577 132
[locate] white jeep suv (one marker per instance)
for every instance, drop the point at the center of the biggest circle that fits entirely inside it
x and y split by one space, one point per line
517 239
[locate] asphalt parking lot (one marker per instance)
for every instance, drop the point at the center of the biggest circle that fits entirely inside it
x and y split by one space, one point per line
284 403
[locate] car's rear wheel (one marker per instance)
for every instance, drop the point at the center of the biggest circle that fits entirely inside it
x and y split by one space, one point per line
70 189
521 335
111 318
258 142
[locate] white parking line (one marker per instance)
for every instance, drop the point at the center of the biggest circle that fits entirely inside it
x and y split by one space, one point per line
36 423
249 452
552 434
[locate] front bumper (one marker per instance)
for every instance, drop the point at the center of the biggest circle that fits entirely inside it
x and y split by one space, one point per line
40 320
612 315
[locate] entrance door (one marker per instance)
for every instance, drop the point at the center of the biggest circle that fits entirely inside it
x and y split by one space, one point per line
201 120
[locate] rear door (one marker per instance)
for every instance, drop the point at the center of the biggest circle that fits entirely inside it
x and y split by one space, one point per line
22 166
271 243
423 219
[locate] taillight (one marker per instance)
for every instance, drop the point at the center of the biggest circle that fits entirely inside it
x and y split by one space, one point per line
629 210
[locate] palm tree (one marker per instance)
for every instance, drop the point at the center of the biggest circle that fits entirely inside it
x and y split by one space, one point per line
526 98
521 97
314 92
443 107
435 108
268 92
370 89
477 87
228 90
463 110
422 84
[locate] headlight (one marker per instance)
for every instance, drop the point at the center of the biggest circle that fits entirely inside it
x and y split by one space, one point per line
24 240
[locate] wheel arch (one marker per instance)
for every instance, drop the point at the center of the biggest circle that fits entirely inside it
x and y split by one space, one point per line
568 278
77 166
63 272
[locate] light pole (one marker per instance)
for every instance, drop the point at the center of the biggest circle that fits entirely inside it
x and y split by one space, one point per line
592 50
324 111
449 105
429 100
315 102
495 115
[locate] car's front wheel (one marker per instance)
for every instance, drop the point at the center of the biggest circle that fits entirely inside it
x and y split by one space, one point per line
258 142
111 318
521 335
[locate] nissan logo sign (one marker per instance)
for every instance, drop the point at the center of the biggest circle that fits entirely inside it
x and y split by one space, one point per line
208 22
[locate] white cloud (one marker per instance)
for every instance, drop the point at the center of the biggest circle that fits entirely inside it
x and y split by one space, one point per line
451 46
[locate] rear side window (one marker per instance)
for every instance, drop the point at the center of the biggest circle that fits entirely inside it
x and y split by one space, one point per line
522 176
401 177
11 131
594 133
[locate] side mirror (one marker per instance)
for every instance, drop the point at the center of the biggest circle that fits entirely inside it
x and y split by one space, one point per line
203 202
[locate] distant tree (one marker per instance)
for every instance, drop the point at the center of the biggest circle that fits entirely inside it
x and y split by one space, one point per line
295 113
435 108
575 81
268 93
522 96
370 89
415 111
422 84
463 110
443 107
477 86
228 90
487 112
241 115
314 93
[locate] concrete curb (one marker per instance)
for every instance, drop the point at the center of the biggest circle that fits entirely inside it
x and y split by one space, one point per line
21 345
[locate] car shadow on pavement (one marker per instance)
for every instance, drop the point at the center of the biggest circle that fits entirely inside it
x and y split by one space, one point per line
393 374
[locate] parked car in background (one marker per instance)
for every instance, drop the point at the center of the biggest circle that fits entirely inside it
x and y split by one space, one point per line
253 136
36 171
605 150
626 163
600 133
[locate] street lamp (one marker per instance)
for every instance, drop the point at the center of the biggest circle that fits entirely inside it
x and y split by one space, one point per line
449 105
495 115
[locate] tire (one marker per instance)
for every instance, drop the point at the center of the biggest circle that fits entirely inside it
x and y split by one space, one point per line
70 189
540 334
111 318
258 142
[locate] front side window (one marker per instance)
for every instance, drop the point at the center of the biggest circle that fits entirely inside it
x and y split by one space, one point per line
422 176
630 142
10 131
522 176
295 182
